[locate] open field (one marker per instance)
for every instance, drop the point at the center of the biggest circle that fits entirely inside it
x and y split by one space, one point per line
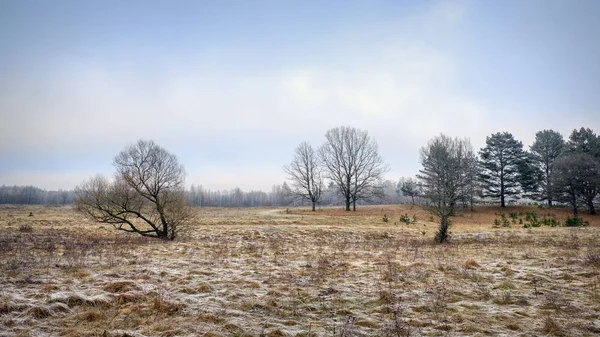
280 272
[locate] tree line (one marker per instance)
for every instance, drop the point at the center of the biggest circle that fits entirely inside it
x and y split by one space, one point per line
552 170
280 196
198 196
31 195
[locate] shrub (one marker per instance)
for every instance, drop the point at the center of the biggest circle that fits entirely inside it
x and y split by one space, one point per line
552 222
503 221
385 218
25 228
404 218
531 220
592 257
30 213
443 234
576 222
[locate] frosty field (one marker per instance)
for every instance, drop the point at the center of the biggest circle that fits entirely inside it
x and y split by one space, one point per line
291 272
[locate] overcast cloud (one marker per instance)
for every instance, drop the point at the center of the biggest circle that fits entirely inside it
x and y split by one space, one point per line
232 87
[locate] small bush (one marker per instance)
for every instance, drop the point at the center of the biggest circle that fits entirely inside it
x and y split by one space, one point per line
25 228
385 218
502 222
505 222
552 222
471 264
531 220
576 222
443 233
30 213
552 328
404 218
592 258
414 219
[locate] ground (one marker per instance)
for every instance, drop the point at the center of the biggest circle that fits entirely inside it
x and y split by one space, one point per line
292 272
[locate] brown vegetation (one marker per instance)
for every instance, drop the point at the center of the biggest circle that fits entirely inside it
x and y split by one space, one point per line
278 272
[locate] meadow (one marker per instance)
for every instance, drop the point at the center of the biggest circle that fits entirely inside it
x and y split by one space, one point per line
292 272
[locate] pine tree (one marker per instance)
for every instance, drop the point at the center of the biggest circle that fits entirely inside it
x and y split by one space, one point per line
546 148
501 160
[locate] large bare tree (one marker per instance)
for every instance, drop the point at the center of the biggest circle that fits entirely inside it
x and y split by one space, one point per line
351 160
305 174
146 195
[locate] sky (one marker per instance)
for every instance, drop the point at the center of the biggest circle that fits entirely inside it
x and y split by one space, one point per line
232 87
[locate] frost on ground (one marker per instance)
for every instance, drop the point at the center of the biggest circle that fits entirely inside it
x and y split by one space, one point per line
278 272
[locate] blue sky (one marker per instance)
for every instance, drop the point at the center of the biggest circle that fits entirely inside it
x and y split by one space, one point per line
232 87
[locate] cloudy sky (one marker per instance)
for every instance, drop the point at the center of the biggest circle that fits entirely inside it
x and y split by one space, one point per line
232 87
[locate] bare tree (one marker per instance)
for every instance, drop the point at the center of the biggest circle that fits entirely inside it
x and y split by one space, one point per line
351 160
305 175
145 197
444 177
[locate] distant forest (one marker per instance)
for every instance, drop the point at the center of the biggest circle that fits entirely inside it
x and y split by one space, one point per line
201 197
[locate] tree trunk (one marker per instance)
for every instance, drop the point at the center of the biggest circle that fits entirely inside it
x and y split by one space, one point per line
313 206
502 187
164 233
354 205
348 204
549 202
591 208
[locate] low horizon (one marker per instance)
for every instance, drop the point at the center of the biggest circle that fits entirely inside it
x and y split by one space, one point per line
233 88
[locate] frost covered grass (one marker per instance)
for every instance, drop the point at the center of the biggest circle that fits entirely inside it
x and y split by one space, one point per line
278 272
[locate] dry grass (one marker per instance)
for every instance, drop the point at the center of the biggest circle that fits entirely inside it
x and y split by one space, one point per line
268 272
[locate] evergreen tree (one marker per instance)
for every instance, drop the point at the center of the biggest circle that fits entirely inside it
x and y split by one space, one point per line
501 161
410 188
546 148
585 141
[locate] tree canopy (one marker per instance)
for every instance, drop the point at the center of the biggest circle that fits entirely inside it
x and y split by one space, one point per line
146 195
